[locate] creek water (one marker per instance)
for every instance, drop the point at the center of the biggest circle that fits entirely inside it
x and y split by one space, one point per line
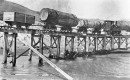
105 67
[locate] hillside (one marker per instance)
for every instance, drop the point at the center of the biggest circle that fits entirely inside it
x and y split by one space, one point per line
13 7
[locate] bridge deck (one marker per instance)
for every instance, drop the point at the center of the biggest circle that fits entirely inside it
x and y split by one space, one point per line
54 32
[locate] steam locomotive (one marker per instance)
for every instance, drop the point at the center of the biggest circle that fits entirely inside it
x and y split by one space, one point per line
111 27
108 26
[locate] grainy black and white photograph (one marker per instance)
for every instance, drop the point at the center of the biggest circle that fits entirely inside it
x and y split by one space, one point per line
64 40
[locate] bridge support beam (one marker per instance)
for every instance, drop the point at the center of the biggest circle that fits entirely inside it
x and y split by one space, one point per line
5 49
41 49
14 49
112 43
30 51
119 42
87 43
58 46
126 42
96 43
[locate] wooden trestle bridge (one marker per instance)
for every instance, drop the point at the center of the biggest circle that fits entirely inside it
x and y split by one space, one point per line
85 41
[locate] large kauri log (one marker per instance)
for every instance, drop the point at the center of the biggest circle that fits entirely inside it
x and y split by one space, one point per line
58 18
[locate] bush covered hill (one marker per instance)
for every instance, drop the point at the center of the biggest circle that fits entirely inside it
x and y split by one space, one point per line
7 6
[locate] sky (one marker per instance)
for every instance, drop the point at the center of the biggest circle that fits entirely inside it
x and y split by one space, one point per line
99 9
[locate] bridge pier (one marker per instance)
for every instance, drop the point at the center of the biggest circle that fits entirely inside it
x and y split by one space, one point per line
10 50
55 41
91 42
108 43
100 43
82 43
69 42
